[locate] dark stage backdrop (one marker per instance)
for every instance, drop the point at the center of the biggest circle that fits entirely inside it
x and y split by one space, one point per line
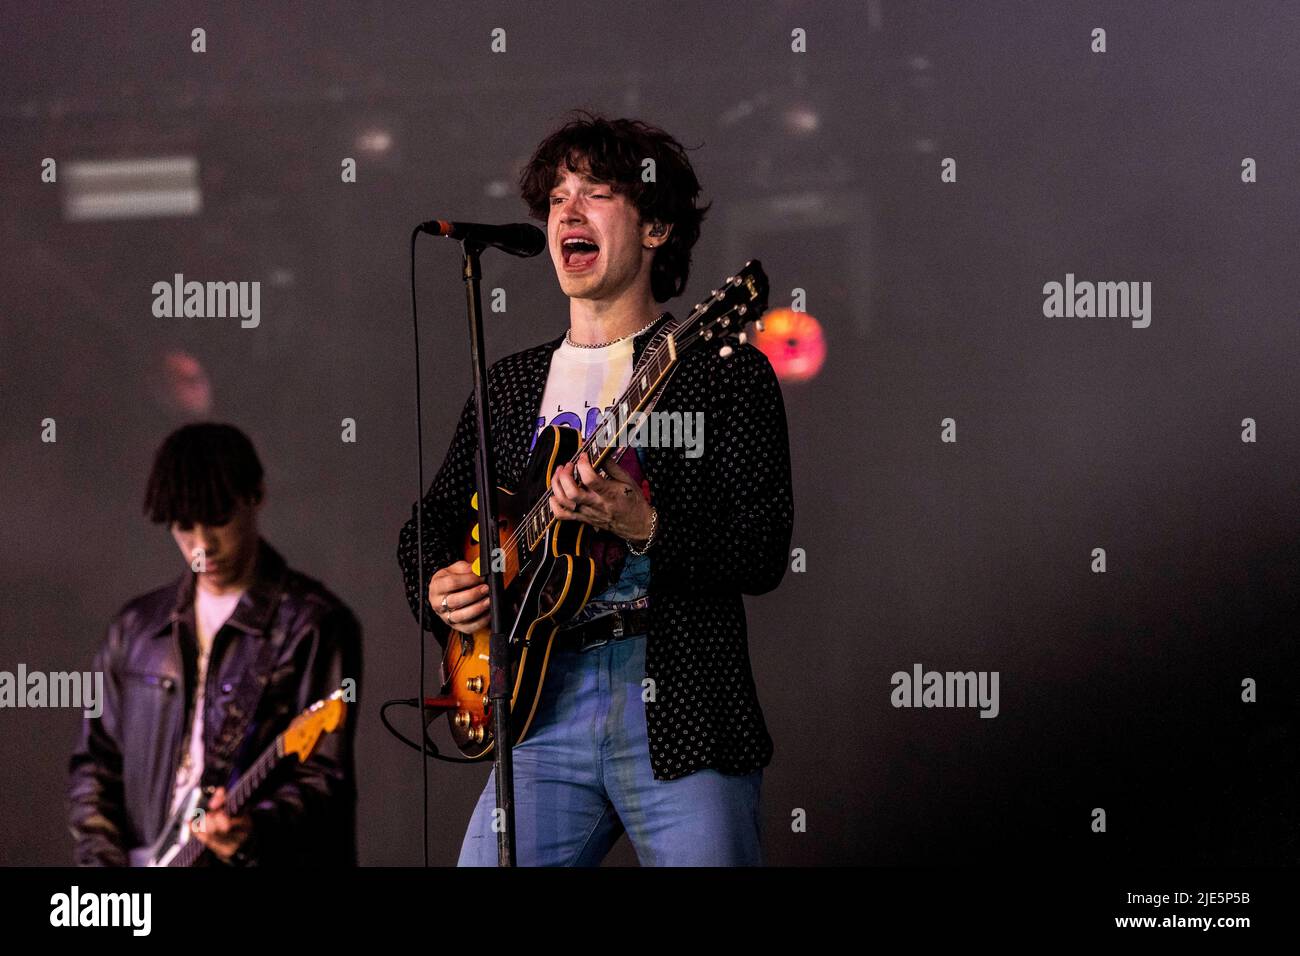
914 174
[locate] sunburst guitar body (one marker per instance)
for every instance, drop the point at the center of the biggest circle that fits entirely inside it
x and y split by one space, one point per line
551 589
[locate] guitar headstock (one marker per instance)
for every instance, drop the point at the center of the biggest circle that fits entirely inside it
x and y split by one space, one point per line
721 318
323 717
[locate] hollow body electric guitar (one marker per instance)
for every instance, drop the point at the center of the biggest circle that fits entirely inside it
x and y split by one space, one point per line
547 573
177 846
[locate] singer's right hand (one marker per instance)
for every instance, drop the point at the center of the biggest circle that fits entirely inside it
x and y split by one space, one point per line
468 604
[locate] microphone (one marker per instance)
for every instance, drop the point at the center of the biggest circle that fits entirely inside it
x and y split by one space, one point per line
519 238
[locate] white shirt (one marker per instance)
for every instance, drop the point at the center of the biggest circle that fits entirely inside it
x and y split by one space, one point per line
211 611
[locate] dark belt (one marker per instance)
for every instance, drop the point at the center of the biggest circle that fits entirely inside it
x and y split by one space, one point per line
606 629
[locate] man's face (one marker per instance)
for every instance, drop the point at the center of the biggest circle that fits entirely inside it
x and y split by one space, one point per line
221 554
580 206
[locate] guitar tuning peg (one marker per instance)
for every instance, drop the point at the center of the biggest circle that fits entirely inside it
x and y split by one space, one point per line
758 324
725 351
743 338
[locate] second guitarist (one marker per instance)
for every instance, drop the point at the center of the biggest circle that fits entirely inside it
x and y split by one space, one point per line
238 625
649 721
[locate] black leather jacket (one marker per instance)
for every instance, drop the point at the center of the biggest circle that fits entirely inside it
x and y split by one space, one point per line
123 771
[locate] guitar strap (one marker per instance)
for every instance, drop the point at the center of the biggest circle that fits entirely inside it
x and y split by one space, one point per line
217 763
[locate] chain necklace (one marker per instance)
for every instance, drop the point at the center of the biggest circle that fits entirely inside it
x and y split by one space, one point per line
568 336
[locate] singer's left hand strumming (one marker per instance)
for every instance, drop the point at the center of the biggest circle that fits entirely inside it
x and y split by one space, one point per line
612 504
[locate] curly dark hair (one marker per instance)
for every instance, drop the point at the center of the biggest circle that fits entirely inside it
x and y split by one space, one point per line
614 150
201 472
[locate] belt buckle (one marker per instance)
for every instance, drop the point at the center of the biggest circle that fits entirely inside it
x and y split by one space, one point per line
588 645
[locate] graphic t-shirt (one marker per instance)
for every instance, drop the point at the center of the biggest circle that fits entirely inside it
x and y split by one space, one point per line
211 611
581 387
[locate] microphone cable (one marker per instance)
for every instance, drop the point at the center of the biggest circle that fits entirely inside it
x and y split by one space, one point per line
419 547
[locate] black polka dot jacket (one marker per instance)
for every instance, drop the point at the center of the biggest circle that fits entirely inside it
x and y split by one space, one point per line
725 520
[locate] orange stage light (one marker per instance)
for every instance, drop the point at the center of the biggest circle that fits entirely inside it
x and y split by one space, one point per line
793 343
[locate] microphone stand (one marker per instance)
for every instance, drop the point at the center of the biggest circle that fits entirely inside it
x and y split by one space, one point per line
489 541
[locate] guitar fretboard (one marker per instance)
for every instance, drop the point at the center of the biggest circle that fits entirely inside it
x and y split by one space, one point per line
655 364
237 797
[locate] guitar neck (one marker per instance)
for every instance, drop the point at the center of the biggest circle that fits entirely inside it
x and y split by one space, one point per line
252 780
647 379
238 796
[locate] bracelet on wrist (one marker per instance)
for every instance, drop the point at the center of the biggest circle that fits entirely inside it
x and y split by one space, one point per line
654 526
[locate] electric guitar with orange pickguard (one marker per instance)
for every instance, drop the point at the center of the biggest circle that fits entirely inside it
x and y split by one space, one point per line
177 846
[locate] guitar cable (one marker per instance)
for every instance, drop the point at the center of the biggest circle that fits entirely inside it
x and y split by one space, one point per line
430 748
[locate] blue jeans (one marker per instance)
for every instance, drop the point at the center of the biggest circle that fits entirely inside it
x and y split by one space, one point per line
582 776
